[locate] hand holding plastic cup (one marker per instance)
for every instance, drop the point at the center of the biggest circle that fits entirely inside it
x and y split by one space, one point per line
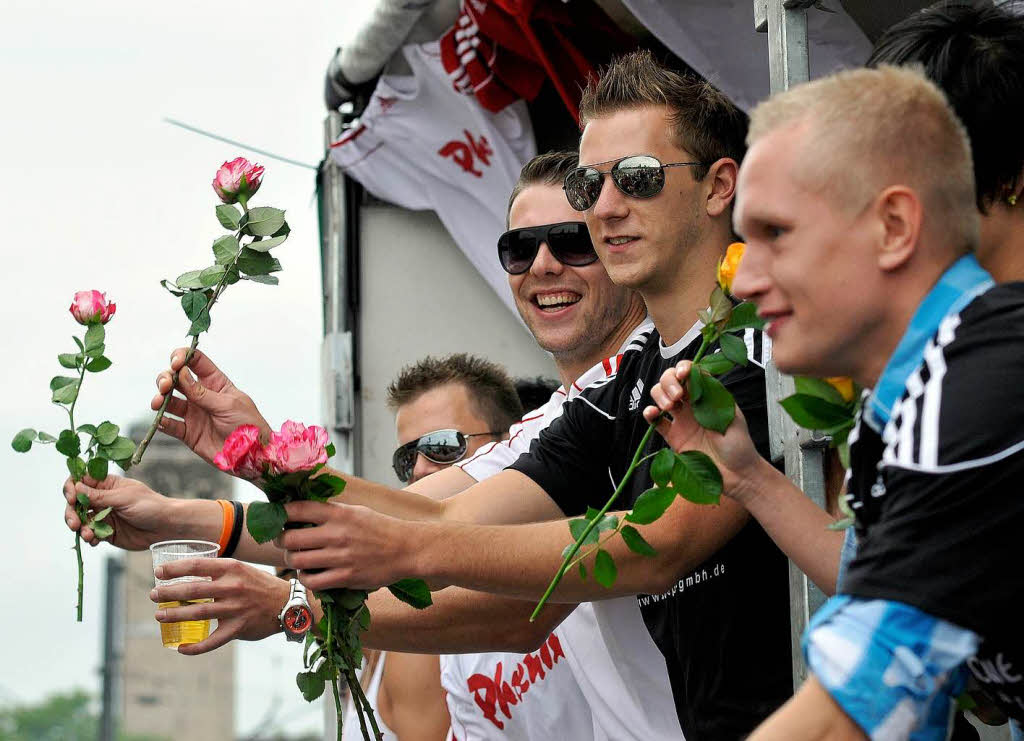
190 631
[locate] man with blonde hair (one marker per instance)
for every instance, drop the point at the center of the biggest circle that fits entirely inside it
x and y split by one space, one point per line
857 203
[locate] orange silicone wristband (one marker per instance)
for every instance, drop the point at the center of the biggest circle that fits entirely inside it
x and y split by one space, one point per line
227 524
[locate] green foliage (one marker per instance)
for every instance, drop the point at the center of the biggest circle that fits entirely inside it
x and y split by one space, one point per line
211 276
76 467
225 249
98 364
716 408
106 433
661 467
311 685
717 363
121 448
651 505
97 468
254 263
265 245
172 290
69 360
66 394
67 715
820 388
696 478
815 413
22 442
264 221
265 520
68 443
325 486
744 316
604 569
190 280
413 592
578 526
636 542
734 348
95 336
228 216
270 280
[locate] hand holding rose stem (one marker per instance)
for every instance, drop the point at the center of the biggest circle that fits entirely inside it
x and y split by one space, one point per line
692 474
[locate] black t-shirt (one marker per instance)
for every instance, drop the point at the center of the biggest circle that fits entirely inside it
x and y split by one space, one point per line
723 628
938 494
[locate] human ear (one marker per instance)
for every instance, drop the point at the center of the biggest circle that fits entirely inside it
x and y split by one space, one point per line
899 213
721 179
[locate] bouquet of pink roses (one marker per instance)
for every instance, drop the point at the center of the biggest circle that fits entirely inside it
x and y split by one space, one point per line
289 468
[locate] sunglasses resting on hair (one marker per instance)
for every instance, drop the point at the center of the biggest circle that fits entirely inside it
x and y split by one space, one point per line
638 176
568 242
440 446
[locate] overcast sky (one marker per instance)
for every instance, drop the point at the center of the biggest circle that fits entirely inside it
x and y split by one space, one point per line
97 192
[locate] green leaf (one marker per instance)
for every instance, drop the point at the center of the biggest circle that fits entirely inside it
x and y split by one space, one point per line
661 467
842 524
350 599
68 443
102 513
228 216
99 364
78 342
46 437
284 231
265 245
95 352
58 382
200 325
695 383
94 336
270 280
118 450
716 408
76 466
66 394
604 569
606 523
327 486
716 364
651 505
820 388
636 542
83 500
265 520
225 249
696 478
264 221
168 286
190 280
22 442
330 449
721 306
254 263
814 413
734 348
744 316
193 303
69 359
88 429
103 529
576 528
413 592
209 277
311 684
97 468
364 619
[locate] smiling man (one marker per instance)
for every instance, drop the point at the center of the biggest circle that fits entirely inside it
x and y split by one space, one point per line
863 264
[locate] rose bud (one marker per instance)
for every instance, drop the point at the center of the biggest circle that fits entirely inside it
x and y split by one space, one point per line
727 267
237 180
242 453
296 448
92 307
843 385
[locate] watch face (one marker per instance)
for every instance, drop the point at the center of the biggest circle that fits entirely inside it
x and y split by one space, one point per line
297 620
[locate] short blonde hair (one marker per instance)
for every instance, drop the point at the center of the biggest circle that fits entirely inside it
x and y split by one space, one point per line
868 129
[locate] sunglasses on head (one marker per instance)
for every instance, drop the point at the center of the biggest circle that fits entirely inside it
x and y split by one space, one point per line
568 242
443 447
638 176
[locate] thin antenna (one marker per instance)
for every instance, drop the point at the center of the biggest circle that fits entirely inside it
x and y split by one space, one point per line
264 152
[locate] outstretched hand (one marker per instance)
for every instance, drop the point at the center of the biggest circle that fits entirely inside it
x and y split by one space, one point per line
245 600
138 514
734 452
212 408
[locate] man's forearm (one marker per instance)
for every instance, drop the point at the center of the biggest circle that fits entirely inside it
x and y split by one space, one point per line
520 560
798 526
459 621
810 715
203 519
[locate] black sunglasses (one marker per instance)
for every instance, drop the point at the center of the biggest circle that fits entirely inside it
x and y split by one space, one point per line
638 176
440 446
569 243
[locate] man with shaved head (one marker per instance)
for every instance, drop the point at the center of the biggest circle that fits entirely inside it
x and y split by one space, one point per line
857 203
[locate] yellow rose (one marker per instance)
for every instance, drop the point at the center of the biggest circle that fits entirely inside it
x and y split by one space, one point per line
843 385
727 267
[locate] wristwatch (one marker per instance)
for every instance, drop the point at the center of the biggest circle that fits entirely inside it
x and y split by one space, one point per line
296 617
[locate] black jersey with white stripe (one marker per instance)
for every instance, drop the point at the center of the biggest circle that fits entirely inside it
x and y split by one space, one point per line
938 492
724 626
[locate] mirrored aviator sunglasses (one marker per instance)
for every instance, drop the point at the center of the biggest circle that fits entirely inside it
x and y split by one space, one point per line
443 447
638 176
569 243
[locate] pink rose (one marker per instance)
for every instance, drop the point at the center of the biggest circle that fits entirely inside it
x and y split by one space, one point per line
237 180
91 307
242 453
296 448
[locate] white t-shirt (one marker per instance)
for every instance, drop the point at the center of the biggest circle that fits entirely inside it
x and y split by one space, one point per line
423 145
614 663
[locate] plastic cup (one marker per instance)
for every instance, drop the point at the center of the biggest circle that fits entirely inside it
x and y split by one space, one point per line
189 631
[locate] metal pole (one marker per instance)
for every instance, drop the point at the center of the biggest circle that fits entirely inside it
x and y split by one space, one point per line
111 669
803 454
